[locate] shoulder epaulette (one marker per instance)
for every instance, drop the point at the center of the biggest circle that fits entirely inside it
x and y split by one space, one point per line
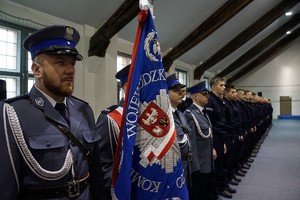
188 110
209 109
79 99
109 109
25 96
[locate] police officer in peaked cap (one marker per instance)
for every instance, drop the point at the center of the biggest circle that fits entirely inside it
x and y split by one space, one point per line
181 125
201 128
48 141
122 75
108 125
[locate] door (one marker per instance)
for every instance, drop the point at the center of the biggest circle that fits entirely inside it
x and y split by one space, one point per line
285 105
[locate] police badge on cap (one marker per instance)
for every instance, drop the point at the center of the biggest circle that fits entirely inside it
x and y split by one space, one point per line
53 40
199 87
173 82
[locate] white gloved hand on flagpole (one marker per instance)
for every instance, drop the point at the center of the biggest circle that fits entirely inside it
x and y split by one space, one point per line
146 4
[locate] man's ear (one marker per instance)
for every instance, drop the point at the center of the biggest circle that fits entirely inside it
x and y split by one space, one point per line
125 86
36 69
213 87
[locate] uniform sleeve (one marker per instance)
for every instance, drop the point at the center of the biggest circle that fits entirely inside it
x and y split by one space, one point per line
191 123
95 182
107 148
9 162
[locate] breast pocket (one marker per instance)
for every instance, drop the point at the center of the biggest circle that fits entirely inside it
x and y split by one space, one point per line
49 150
90 137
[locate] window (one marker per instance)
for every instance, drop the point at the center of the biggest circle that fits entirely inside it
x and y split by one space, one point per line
206 79
182 76
15 61
122 60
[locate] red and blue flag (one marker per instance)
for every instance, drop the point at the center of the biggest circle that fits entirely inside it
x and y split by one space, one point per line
148 162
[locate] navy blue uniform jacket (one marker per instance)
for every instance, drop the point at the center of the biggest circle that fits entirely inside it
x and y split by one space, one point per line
47 144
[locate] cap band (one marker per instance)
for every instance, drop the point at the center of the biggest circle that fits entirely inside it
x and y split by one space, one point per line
34 50
124 79
197 89
172 83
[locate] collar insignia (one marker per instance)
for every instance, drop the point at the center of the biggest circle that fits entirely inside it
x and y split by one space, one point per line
39 101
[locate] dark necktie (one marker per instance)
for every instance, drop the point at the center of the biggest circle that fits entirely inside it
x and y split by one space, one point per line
204 113
62 109
177 114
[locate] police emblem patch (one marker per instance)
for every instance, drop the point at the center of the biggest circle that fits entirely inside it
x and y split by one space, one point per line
152 47
39 101
157 135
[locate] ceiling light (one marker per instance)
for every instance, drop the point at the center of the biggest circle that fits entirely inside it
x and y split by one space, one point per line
288 13
288 32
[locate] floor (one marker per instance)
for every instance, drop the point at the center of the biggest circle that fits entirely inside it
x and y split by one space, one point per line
275 172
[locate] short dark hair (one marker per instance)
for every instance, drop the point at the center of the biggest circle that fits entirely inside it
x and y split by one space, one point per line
215 79
229 87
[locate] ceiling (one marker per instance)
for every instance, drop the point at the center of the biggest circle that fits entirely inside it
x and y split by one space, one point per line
213 35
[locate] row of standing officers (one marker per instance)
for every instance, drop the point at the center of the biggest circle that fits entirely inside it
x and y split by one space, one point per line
227 126
216 131
51 147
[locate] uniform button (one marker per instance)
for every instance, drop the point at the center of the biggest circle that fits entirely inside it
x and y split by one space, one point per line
48 144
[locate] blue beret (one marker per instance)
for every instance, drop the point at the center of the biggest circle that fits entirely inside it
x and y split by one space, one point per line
122 75
199 87
53 40
172 81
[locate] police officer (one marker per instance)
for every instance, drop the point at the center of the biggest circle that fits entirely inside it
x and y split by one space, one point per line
216 112
235 134
201 127
181 126
108 126
48 137
186 100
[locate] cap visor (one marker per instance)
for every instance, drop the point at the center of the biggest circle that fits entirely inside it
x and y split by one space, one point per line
67 52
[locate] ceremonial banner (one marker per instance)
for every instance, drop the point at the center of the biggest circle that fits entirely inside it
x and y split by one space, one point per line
148 162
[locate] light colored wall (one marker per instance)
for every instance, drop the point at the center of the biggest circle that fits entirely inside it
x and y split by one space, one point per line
96 84
95 80
279 77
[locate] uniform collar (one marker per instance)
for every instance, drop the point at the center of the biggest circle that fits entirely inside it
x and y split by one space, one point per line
173 109
50 99
199 107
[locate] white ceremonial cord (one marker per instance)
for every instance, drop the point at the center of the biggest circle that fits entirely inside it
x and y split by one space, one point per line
184 140
113 130
8 148
27 155
199 129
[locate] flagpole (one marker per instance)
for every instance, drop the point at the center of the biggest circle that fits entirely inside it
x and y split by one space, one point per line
147 164
144 7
